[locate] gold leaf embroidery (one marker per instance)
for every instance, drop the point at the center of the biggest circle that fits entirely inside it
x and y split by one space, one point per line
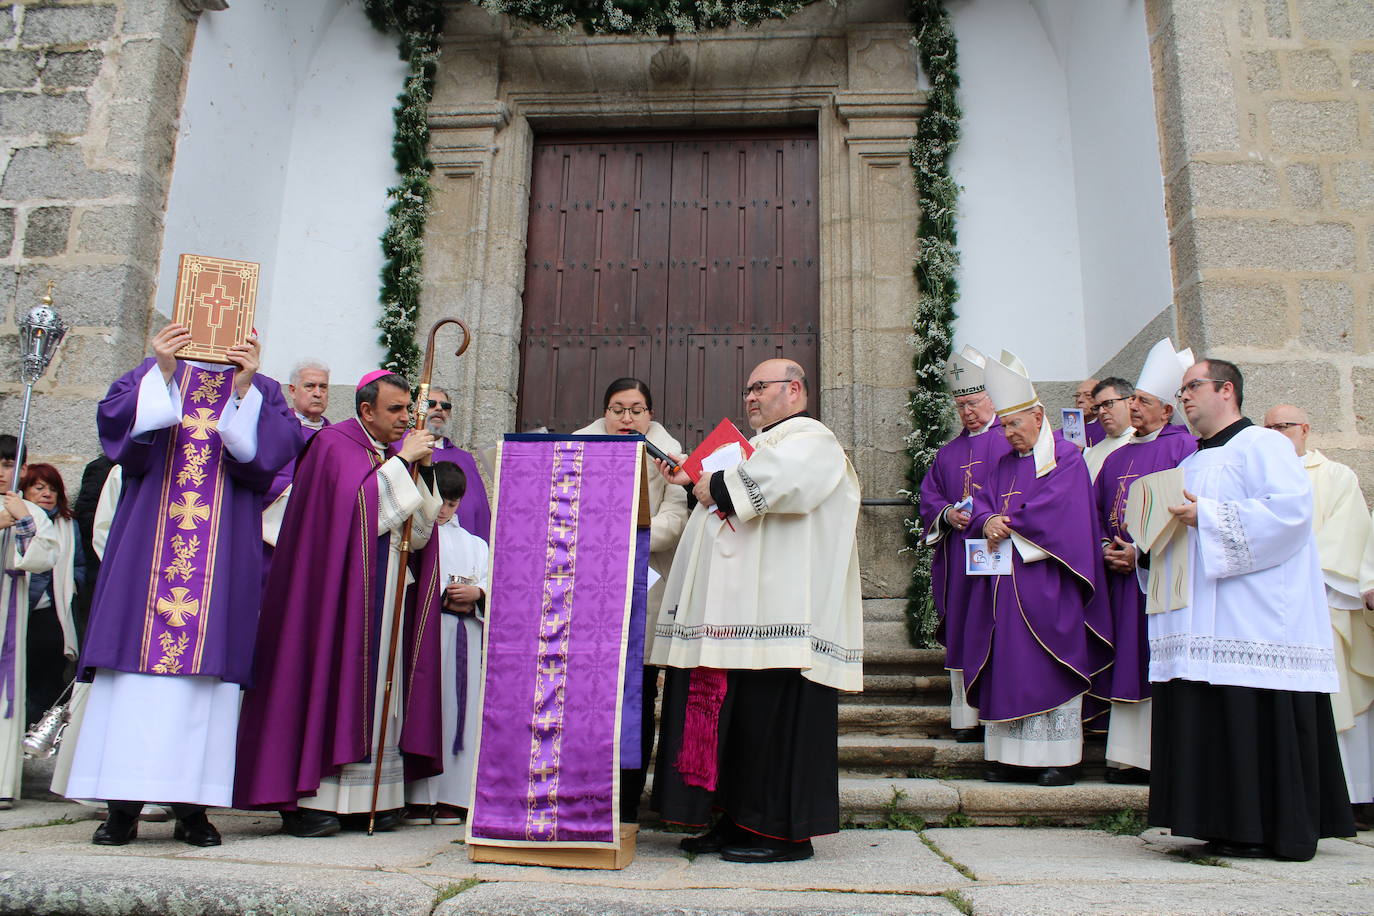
186 551
172 650
201 423
178 607
193 471
189 511
209 390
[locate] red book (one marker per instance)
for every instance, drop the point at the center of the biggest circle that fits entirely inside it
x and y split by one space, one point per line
723 435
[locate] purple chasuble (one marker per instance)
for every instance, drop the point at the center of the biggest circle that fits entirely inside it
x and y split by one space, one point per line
1128 678
283 478
566 578
1093 432
311 709
961 468
179 586
474 512
1034 639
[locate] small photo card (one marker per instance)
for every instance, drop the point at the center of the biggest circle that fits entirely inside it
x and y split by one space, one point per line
982 560
963 505
1072 426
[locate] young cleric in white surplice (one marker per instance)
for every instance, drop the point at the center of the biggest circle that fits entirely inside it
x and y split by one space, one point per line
463 567
1341 524
29 544
1244 750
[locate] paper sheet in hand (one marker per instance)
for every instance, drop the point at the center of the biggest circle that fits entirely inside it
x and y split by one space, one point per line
982 560
1157 532
1071 425
215 301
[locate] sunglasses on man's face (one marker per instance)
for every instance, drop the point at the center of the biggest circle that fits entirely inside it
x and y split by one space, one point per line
444 405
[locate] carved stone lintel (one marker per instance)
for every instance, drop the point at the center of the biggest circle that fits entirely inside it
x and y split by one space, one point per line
201 6
669 66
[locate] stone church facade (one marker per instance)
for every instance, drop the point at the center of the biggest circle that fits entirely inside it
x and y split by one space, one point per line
1263 117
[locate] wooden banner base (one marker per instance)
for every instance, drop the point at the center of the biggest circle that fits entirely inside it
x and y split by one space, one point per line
614 859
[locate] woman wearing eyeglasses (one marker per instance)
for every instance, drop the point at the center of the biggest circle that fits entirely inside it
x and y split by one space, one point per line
629 408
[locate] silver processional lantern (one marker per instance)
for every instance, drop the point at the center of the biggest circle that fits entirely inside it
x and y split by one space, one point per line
40 331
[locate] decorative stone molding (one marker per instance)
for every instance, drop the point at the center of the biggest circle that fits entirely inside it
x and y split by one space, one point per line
205 6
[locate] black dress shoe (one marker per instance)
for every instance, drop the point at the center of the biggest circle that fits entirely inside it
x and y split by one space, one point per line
1238 850
712 840
196 830
1057 776
307 823
119 828
763 849
1001 772
385 820
970 735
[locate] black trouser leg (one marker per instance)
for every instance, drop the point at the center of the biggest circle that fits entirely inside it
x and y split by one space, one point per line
126 808
187 812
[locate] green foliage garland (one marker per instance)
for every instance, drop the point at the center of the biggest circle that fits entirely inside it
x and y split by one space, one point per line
937 136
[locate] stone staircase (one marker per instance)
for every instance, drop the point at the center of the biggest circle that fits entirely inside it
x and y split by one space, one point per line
897 753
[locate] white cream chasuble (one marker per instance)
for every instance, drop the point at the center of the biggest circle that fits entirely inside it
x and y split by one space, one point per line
777 584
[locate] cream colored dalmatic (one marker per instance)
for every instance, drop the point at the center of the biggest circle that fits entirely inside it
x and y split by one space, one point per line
779 589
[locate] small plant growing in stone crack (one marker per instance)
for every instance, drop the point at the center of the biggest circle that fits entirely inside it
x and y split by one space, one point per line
957 819
894 819
1187 855
1126 822
453 889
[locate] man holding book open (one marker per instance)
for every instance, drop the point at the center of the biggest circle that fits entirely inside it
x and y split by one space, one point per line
761 626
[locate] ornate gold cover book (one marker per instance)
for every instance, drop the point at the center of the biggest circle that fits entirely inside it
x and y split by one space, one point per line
215 300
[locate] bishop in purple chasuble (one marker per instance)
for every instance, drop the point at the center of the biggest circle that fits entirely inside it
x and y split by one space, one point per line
960 470
1128 679
1034 639
180 583
311 711
568 575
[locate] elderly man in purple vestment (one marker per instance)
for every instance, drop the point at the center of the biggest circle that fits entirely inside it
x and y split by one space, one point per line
1033 639
1156 445
174 617
308 390
475 512
960 470
311 725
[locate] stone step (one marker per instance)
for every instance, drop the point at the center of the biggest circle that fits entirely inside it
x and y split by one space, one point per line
885 609
913 720
886 643
901 683
900 755
871 800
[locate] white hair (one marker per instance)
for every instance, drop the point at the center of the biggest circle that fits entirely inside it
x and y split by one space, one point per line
308 363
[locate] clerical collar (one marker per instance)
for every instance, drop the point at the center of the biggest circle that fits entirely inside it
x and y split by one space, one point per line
1226 435
306 421
984 428
800 413
1142 438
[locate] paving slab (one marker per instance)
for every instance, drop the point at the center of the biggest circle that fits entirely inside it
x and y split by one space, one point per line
1134 898
58 884
1338 861
503 899
1029 855
30 813
657 863
258 838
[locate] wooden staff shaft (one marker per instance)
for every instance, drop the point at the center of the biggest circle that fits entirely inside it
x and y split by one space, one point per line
398 601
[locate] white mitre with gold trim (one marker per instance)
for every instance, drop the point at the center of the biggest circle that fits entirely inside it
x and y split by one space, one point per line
964 372
1009 385
1163 371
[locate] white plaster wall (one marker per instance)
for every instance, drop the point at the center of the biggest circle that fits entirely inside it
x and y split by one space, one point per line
1123 237
284 157
1021 283
1062 231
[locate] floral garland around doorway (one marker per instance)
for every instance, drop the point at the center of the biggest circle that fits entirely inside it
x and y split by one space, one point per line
419 24
937 263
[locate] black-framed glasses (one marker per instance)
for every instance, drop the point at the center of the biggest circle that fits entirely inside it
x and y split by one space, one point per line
637 410
1195 384
1280 427
444 405
1111 402
757 387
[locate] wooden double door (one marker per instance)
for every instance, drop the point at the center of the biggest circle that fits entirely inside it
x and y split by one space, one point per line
682 260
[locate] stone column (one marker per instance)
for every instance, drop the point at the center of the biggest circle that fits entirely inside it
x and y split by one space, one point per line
1265 111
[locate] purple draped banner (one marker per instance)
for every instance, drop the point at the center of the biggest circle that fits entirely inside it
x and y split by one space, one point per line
564 578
